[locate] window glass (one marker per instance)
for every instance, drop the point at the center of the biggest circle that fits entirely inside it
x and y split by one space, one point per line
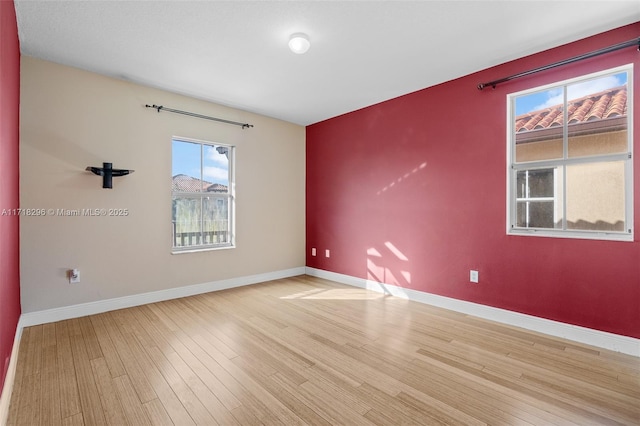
538 129
535 202
597 116
596 196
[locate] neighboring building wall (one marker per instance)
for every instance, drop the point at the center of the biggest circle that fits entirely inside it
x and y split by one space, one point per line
72 119
9 194
597 181
412 192
600 143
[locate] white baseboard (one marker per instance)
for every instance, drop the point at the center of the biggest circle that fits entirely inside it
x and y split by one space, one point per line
7 389
83 309
601 339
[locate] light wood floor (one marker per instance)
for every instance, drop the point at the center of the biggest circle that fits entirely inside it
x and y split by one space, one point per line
308 351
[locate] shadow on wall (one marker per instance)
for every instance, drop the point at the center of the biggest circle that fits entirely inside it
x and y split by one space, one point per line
68 159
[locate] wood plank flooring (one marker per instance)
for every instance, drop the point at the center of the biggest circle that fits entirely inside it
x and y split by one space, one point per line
304 350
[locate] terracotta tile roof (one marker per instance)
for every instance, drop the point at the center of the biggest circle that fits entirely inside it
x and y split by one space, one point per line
217 187
184 183
609 103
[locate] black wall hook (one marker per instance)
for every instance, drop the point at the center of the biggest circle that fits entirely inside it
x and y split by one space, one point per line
107 172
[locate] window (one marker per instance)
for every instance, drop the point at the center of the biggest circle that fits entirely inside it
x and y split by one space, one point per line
570 158
202 191
535 200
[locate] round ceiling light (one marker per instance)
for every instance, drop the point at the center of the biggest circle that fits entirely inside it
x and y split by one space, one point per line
299 43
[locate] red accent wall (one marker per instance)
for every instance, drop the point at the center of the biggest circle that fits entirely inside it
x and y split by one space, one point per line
9 198
412 192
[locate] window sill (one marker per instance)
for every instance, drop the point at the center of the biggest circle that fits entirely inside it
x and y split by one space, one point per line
578 235
201 249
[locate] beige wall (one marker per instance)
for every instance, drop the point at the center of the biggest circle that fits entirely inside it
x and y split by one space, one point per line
71 119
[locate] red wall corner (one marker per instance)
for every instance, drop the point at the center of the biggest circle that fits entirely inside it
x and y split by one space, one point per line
9 182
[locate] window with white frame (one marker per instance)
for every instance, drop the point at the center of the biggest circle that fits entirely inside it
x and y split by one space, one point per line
570 168
202 191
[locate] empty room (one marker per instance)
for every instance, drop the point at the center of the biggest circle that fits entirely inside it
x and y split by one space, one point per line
319 212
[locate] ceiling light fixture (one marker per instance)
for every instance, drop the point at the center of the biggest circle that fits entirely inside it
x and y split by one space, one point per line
299 43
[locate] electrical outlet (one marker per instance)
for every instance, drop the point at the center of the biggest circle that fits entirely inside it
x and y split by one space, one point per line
326 253
74 276
474 276
313 251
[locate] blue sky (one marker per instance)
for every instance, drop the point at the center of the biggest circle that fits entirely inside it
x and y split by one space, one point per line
186 160
540 100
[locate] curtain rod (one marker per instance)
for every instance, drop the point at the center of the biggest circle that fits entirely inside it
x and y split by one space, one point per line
193 114
613 48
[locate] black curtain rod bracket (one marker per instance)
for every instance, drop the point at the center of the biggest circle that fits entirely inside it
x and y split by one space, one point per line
193 114
108 172
494 83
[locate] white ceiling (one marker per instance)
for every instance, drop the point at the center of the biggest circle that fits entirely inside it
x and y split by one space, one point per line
362 52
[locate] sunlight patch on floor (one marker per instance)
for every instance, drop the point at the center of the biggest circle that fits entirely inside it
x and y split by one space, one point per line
336 294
